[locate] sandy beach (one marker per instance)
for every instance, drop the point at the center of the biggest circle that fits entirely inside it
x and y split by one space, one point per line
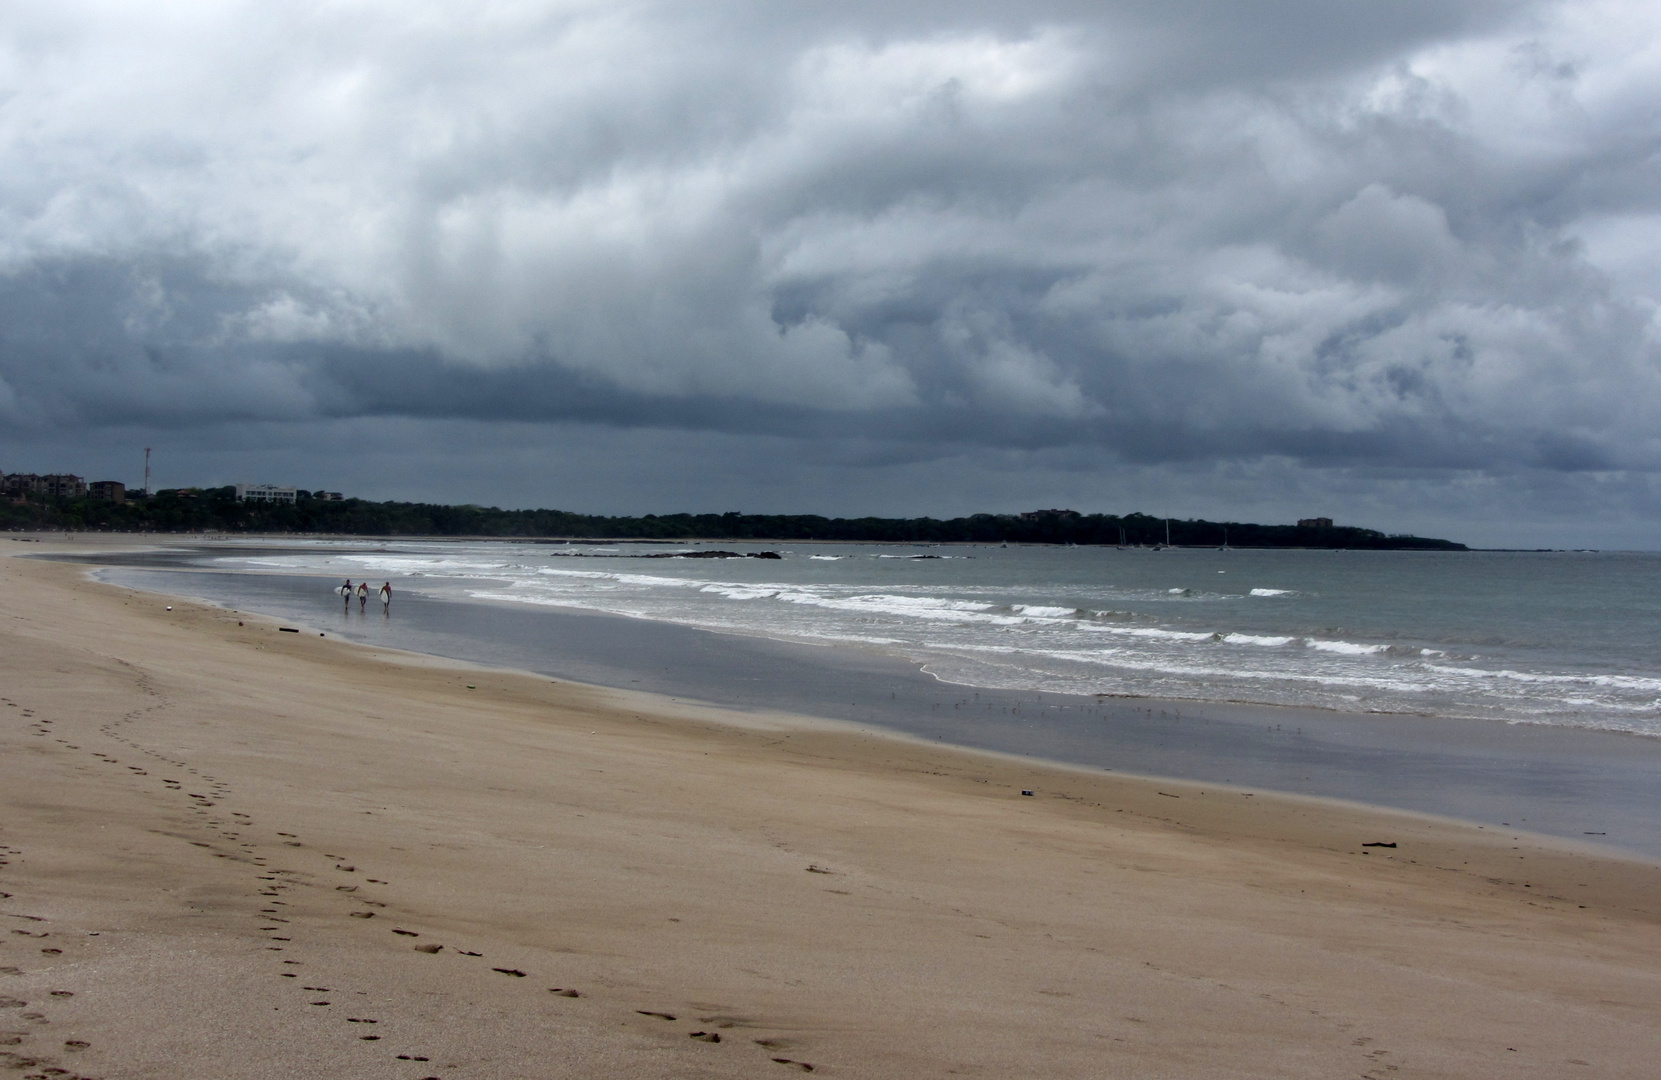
228 850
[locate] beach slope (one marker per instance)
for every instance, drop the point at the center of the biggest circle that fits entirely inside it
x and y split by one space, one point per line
228 850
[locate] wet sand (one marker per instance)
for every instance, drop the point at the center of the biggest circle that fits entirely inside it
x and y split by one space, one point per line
226 847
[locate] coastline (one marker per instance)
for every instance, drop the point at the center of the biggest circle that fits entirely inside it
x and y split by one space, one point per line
666 861
1578 784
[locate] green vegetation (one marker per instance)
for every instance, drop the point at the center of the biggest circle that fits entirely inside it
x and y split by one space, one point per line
216 510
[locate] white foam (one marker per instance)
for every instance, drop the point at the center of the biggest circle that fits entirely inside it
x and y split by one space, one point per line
1344 648
405 564
741 592
1181 667
274 564
1257 639
1151 632
1613 682
648 580
916 607
1271 592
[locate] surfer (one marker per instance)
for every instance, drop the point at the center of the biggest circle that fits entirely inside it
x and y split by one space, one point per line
346 592
363 595
386 596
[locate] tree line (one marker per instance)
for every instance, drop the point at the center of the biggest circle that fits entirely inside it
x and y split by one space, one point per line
217 510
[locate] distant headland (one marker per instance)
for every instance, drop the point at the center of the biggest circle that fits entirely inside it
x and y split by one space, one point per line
269 509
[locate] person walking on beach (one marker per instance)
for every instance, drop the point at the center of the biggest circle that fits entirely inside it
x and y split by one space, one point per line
386 596
346 592
363 595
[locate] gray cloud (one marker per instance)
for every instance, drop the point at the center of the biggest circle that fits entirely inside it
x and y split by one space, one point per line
1339 236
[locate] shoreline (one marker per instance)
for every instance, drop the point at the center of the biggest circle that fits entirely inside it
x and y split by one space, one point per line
725 715
712 712
196 805
1579 784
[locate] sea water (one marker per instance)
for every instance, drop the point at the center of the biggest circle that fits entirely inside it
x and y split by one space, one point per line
1557 638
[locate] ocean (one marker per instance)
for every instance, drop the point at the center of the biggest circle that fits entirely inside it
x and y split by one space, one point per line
1513 690
1562 638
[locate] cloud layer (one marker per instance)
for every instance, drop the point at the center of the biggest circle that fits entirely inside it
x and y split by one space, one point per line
1340 235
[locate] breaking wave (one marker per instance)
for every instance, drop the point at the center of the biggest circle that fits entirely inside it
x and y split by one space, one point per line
1134 626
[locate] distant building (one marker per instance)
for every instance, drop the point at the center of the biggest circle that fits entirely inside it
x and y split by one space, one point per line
58 485
1314 523
108 490
64 486
270 493
328 496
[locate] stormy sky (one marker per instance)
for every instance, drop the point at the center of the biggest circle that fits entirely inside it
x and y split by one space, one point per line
1396 263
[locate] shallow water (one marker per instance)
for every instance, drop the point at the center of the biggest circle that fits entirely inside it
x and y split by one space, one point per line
1564 638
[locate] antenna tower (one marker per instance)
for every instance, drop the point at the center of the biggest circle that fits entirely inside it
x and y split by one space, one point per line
147 472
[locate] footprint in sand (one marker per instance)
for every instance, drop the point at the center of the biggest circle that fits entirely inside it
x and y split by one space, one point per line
515 972
705 1036
562 992
802 1065
429 949
659 1015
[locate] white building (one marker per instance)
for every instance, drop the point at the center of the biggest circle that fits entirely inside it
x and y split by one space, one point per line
264 493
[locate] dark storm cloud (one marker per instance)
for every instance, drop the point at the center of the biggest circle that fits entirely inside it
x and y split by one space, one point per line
1343 234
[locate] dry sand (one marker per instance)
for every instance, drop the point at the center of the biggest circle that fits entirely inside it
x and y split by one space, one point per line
226 848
